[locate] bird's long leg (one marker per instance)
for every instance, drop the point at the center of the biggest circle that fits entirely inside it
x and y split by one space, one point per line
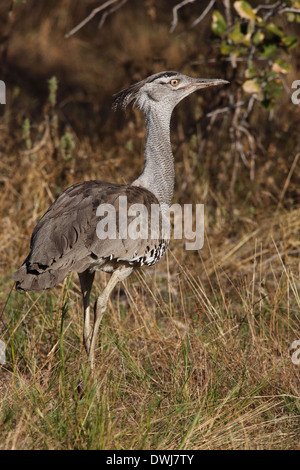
86 281
101 305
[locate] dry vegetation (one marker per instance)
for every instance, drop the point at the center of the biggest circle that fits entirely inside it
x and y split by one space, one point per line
194 354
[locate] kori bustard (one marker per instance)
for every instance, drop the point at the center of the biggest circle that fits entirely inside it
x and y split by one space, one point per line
65 239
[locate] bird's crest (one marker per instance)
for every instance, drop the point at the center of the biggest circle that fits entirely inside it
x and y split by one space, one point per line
130 94
126 96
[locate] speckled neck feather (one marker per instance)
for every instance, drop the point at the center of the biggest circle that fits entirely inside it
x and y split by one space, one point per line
158 175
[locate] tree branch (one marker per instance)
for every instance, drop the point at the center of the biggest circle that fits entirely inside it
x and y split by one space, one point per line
109 12
90 17
175 13
203 14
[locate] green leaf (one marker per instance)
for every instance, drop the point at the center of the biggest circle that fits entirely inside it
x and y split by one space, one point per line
250 72
250 28
253 88
218 24
258 38
236 35
289 41
244 10
280 66
273 89
238 51
290 17
268 50
226 48
274 29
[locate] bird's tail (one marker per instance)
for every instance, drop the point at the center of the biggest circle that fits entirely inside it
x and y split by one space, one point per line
37 281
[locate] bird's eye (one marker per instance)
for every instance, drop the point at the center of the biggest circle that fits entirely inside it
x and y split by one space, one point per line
174 82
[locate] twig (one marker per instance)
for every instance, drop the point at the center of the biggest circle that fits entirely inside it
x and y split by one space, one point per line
262 298
252 99
175 13
234 134
251 141
4 321
226 59
112 10
287 181
226 4
225 109
274 11
228 16
90 17
290 10
203 14
267 7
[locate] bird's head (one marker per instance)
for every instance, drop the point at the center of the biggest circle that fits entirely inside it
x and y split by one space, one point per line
164 89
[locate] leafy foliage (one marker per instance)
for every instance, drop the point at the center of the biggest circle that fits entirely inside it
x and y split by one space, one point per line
252 36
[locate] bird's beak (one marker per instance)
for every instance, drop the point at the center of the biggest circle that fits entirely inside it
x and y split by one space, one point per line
207 82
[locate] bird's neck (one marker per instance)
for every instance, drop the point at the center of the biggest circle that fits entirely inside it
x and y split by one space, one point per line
158 175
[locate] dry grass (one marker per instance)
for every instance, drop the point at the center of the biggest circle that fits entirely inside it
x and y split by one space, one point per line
181 365
194 353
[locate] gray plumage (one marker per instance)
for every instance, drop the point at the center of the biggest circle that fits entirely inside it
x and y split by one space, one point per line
65 239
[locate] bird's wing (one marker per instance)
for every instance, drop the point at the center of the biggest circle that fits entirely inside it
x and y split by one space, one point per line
66 240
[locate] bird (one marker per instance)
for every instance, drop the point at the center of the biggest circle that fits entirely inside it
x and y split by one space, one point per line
65 239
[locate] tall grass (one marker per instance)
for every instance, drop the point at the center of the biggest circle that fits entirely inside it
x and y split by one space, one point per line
179 366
